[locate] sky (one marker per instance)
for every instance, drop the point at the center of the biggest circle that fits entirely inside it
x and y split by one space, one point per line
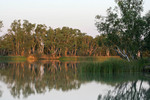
79 14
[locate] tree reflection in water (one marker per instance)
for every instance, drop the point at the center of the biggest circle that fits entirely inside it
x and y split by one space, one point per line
27 78
30 78
133 90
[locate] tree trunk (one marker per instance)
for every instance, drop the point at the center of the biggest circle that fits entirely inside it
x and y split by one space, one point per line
107 52
90 53
22 53
33 49
75 52
72 53
60 53
29 52
139 54
66 51
122 54
18 48
100 53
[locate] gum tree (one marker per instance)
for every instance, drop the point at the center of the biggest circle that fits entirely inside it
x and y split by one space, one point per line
146 46
124 27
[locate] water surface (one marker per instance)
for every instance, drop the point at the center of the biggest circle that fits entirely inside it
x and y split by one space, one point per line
55 80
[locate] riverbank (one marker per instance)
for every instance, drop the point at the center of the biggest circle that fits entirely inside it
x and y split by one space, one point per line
114 66
86 58
12 58
29 58
45 57
98 64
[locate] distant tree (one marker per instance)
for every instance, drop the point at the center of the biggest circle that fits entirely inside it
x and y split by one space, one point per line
25 39
17 34
21 37
103 45
40 32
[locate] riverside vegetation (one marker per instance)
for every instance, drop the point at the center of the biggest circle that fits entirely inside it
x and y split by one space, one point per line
115 66
126 34
37 59
26 39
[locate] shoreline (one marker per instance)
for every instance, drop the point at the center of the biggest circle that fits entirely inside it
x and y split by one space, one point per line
45 57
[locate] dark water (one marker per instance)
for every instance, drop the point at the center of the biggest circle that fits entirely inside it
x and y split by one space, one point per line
55 80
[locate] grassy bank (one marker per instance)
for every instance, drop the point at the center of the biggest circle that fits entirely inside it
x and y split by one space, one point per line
114 65
70 58
86 58
12 58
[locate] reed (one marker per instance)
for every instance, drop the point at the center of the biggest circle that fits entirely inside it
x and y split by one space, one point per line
113 65
86 58
12 58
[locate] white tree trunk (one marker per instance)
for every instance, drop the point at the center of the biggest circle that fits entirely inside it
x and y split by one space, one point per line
122 53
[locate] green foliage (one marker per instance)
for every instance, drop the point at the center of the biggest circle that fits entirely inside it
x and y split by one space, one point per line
125 28
25 39
147 33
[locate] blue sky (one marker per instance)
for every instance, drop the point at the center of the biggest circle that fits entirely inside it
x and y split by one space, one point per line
57 13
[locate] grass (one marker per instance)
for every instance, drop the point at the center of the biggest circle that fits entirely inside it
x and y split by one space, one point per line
86 58
112 71
12 58
114 65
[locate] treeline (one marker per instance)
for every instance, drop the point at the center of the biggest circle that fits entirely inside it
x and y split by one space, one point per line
24 39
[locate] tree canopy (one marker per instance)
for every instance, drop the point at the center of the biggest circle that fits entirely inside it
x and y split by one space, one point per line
125 28
25 38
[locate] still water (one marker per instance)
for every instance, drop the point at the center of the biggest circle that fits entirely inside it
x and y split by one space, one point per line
55 80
